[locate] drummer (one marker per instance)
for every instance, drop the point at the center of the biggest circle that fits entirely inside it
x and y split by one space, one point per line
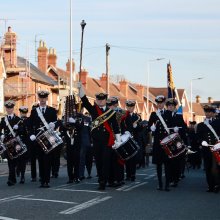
132 124
179 126
155 125
207 131
41 117
8 125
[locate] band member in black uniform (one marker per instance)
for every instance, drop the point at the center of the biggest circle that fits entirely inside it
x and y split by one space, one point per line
179 126
132 124
104 128
8 125
116 177
37 124
22 160
86 155
33 153
206 135
72 138
159 132
195 159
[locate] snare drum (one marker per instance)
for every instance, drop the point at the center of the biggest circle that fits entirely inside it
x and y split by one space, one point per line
15 147
49 140
216 152
173 145
128 148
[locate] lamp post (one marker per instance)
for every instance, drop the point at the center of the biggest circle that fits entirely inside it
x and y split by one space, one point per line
148 77
107 47
191 94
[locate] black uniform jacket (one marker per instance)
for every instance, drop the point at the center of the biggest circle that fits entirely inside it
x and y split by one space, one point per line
35 122
100 134
159 134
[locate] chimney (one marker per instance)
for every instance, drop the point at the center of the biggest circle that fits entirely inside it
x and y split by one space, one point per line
198 99
83 77
123 85
42 56
52 57
210 100
68 65
103 81
140 91
10 49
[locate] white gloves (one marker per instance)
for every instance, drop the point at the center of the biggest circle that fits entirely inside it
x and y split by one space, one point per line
135 125
81 89
72 120
117 141
205 144
33 137
52 125
2 137
153 128
176 129
15 127
118 137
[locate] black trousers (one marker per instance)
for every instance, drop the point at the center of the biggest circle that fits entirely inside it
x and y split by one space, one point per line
130 166
55 160
167 173
103 157
73 160
44 161
12 166
21 165
33 159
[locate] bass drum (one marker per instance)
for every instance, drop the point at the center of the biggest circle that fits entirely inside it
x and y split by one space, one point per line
128 148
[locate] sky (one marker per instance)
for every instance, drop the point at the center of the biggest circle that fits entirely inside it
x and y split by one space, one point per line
184 33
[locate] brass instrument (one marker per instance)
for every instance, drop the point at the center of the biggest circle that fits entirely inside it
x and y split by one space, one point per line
135 122
120 113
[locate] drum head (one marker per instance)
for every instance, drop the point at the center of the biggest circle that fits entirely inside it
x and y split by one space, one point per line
169 138
125 137
216 147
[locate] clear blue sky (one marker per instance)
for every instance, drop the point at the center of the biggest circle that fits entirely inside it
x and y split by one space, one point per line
185 32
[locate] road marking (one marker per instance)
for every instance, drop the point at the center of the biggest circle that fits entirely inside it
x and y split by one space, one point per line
150 176
127 186
80 190
6 218
133 187
141 174
85 205
46 200
7 199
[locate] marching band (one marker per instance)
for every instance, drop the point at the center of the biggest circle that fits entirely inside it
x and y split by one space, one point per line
116 139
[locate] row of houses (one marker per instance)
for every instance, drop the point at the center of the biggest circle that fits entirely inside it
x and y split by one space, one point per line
20 80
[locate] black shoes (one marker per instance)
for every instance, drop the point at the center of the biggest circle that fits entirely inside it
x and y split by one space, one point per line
76 180
10 183
210 190
88 177
101 187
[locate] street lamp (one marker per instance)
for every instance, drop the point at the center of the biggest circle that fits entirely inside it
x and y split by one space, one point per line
148 76
191 104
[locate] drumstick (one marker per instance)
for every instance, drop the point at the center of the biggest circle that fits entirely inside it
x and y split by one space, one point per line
45 126
174 127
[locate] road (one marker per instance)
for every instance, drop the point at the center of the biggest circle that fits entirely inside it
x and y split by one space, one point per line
134 200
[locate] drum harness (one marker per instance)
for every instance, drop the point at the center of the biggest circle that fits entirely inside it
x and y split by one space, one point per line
211 129
163 122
